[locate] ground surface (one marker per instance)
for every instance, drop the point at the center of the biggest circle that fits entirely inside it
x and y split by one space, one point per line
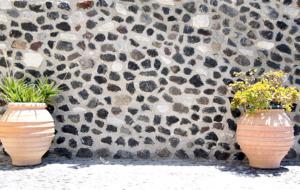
59 173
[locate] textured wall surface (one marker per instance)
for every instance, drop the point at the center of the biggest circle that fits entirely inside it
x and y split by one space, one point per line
147 78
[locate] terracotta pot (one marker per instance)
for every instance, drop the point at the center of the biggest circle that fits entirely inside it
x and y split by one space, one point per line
26 132
265 137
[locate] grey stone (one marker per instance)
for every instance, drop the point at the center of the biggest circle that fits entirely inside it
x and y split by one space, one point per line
180 108
64 45
230 11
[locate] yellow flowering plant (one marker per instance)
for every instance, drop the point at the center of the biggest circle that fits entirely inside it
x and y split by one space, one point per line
263 92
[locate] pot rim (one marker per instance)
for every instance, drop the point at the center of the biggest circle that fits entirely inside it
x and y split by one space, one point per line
267 110
26 105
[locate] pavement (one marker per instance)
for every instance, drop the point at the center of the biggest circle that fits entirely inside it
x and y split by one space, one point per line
61 173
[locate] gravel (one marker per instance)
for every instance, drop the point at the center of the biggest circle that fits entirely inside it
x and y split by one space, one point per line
61 173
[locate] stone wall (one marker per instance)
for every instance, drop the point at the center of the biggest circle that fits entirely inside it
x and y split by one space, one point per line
147 78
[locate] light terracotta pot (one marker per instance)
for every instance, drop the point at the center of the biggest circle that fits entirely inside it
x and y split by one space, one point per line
265 137
26 132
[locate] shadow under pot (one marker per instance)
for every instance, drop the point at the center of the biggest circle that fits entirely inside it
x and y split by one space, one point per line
265 136
26 132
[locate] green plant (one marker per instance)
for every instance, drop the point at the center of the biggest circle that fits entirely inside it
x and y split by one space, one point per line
18 90
253 93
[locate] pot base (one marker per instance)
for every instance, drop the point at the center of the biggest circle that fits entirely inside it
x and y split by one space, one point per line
26 162
264 164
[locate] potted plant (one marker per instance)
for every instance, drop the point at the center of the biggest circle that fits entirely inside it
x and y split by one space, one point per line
26 128
264 131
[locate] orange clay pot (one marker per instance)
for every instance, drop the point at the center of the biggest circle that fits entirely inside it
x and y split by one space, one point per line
26 132
265 137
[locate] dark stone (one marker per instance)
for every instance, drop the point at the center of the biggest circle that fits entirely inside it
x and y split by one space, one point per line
70 129
188 29
64 6
148 140
103 153
64 45
91 24
28 26
193 39
53 15
190 7
84 153
36 8
181 154
196 81
242 60
133 66
282 25
210 62
209 110
246 42
72 143
111 128
148 86
96 89
152 52
60 140
64 26
120 141
177 79
200 153
172 120
284 48
102 113
63 152
2 37
34 73
180 132
100 37
113 88
219 155
160 26
228 10
266 34
174 141
123 154
199 141
107 140
20 4
108 57
143 154
231 124
134 8
84 129
272 13
204 32
211 136
273 65
292 154
132 142
15 34
188 51
138 28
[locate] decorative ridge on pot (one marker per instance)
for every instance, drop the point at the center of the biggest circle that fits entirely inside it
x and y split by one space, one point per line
27 105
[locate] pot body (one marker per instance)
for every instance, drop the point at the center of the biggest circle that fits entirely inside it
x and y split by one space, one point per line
265 137
26 132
